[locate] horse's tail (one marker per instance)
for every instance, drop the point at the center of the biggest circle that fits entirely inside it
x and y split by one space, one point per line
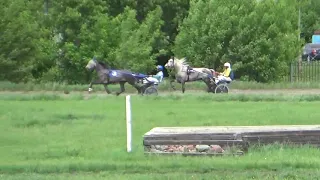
212 71
208 71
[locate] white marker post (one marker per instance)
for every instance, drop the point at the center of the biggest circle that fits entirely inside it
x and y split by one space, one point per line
128 118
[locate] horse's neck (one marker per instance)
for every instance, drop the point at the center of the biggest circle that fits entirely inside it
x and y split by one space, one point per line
179 66
100 68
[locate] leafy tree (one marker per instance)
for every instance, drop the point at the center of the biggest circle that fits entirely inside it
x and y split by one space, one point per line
205 34
139 47
310 18
249 34
116 7
21 38
266 44
69 20
174 11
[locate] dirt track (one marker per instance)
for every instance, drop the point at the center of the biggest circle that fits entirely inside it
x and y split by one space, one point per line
233 91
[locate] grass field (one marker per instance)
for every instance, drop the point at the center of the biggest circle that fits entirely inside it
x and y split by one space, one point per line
80 137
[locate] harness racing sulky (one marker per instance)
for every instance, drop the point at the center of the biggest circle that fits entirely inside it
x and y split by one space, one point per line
149 85
220 81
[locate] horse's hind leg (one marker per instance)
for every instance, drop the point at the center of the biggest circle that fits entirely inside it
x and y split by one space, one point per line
141 89
106 88
172 86
122 89
90 87
138 88
209 85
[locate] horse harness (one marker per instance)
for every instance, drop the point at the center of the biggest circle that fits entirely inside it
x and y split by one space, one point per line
189 70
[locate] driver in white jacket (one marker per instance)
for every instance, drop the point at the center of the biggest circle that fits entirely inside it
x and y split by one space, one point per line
157 78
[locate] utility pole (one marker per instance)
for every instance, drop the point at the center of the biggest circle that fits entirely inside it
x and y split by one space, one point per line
299 22
299 32
46 7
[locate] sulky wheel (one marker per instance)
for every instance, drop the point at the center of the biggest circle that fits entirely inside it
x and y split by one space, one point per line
221 88
151 91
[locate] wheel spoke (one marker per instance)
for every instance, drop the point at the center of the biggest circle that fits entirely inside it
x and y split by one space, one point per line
222 88
151 90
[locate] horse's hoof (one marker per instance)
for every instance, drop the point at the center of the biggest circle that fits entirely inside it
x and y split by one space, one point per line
90 89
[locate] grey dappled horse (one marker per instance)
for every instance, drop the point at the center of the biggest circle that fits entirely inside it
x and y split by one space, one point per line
107 76
185 73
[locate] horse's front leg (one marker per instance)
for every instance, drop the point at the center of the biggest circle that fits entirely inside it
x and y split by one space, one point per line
183 86
91 84
172 79
122 89
94 82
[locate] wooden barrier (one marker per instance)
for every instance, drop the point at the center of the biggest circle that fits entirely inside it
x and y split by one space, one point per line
231 139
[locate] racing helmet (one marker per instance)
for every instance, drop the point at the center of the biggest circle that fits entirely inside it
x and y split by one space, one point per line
227 64
159 67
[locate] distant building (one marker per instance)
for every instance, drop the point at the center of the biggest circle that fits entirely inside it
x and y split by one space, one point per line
316 37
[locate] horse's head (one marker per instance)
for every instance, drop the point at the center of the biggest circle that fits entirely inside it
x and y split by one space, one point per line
91 65
176 63
169 64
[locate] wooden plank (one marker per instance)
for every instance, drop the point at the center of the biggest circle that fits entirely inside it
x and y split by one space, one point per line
229 129
192 137
190 133
283 136
193 142
280 140
283 133
290 137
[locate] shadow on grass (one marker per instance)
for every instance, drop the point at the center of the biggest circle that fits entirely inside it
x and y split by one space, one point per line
58 119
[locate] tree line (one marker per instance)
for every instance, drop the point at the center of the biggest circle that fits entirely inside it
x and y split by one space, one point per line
51 41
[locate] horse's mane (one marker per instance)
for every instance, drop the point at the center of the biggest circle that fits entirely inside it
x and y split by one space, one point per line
103 64
183 61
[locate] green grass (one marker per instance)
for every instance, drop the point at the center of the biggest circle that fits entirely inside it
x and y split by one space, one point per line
76 137
204 97
164 86
218 175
